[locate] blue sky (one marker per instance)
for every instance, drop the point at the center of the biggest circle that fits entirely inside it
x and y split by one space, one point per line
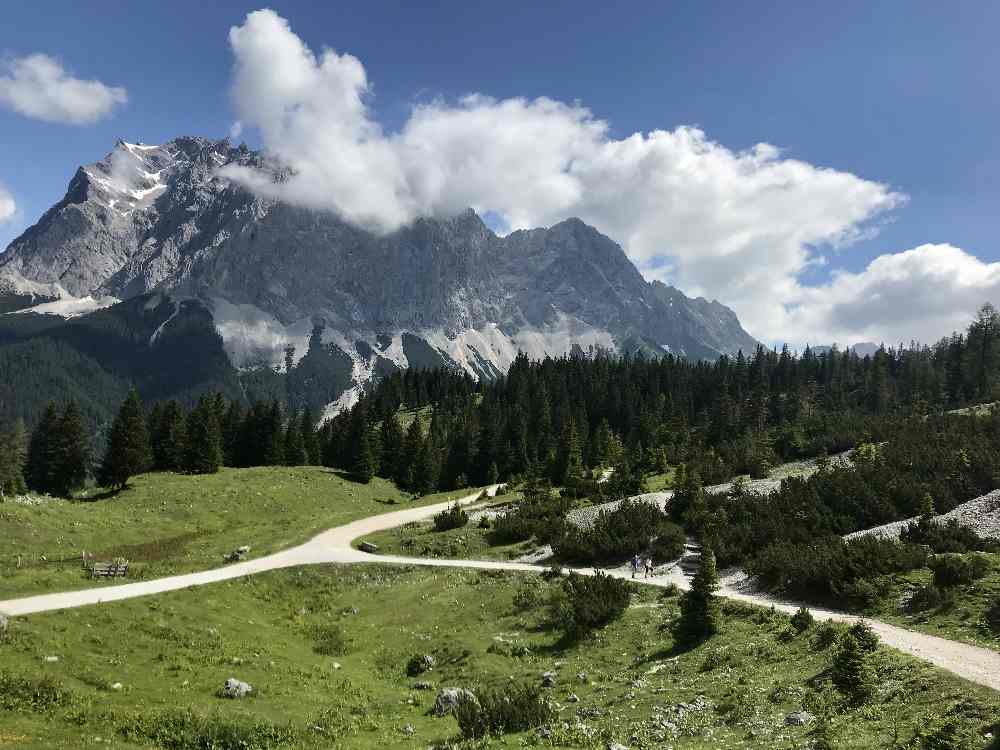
900 93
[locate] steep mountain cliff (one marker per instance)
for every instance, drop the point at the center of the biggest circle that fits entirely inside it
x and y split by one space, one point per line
278 280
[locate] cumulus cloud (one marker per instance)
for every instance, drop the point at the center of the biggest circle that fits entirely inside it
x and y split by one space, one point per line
740 226
924 294
37 86
8 206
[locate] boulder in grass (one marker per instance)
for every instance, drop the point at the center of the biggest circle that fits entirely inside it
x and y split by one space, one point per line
234 688
799 719
368 547
449 698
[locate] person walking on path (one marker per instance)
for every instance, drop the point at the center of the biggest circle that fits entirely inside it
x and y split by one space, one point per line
635 564
649 566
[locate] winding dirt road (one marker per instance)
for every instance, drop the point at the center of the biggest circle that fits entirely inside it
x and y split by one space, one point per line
973 663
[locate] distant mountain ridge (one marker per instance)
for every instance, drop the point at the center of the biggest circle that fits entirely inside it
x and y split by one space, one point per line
277 279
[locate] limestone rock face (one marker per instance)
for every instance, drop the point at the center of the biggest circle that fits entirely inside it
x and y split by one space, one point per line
443 290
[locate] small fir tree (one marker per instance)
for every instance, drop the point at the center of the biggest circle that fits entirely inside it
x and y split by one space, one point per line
72 446
701 614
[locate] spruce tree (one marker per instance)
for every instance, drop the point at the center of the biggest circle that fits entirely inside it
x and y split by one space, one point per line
232 424
272 433
128 452
13 455
392 446
295 450
569 461
852 671
413 446
72 446
366 461
426 469
168 437
43 459
701 614
310 438
203 453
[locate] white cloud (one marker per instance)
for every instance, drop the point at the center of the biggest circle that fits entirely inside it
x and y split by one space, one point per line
740 226
8 206
924 293
37 86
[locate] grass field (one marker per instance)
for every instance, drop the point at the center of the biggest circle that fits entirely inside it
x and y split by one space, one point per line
146 672
469 542
171 523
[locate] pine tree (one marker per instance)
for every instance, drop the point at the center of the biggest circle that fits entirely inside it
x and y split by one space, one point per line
852 671
701 614
310 439
392 446
42 460
366 461
413 446
232 425
569 462
203 454
13 455
272 435
128 452
72 446
295 450
168 437
426 469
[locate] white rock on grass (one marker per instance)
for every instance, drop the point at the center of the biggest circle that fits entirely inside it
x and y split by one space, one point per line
234 688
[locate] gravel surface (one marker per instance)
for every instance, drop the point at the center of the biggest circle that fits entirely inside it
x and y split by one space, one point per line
585 517
982 515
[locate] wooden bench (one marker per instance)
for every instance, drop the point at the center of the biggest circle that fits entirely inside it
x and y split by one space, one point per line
113 569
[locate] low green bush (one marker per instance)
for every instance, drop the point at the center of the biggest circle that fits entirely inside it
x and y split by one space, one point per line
958 570
991 618
930 597
586 603
453 517
802 620
31 694
330 640
187 730
501 711
621 533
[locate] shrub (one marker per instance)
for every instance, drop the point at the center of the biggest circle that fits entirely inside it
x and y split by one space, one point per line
669 543
418 664
330 640
826 636
852 671
526 597
453 517
929 597
620 533
958 570
541 514
865 636
992 617
509 709
585 603
802 620
30 694
186 730
948 733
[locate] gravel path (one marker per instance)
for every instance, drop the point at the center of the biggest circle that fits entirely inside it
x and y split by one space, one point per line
982 515
979 665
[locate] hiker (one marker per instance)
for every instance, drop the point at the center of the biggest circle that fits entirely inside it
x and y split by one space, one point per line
649 566
635 564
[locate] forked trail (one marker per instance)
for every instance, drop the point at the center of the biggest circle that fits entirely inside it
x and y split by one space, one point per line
973 663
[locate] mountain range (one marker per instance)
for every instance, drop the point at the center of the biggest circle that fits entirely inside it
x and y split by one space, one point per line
155 241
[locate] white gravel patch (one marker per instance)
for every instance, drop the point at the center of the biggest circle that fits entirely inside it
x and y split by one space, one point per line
982 515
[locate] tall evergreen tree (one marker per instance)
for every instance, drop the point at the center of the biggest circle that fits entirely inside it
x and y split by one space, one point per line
72 446
168 436
310 439
701 614
128 452
203 453
295 449
232 424
569 461
392 446
43 457
366 461
13 455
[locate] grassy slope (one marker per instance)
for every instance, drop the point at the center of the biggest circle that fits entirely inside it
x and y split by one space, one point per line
175 650
171 523
469 542
961 620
